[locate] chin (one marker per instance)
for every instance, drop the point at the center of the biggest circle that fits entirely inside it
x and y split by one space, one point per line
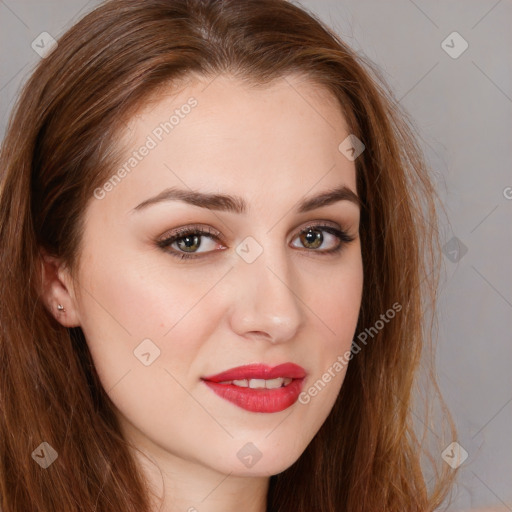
268 462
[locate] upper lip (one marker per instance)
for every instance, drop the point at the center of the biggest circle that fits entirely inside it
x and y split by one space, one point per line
259 371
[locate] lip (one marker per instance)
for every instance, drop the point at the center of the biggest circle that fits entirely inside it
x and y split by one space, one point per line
259 371
259 400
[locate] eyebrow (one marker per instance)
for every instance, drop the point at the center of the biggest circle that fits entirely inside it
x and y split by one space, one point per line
236 204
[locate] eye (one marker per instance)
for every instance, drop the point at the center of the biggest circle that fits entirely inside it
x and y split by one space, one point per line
187 241
312 238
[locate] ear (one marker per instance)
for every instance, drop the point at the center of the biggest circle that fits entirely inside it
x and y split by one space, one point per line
57 288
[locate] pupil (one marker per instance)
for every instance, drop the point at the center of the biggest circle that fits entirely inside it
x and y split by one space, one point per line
312 237
190 241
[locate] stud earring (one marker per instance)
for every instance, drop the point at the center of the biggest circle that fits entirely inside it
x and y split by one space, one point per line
60 307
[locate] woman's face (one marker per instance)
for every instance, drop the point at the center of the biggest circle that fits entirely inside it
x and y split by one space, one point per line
255 291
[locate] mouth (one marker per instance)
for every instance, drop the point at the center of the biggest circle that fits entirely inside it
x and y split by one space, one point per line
258 387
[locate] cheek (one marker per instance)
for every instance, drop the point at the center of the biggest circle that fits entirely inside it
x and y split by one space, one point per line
335 299
335 307
339 306
128 302
141 300
165 315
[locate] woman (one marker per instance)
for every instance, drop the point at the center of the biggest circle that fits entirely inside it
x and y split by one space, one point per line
217 231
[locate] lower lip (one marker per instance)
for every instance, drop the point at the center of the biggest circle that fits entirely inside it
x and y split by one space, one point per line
259 400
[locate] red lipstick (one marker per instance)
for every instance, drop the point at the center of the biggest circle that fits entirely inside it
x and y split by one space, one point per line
258 387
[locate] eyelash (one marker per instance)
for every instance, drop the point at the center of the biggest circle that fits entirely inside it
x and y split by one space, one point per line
181 233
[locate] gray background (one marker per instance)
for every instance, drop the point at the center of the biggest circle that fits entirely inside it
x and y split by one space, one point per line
462 108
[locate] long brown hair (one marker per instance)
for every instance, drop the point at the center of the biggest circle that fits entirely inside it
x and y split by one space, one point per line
60 146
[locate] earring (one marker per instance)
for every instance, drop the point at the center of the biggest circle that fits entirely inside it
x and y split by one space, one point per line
60 307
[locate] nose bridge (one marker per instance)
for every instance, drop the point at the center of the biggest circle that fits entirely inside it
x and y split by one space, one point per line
268 303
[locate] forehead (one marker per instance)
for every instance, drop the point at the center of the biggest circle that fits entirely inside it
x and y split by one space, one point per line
223 133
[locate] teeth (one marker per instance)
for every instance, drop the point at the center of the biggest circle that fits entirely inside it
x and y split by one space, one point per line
274 383
257 383
260 383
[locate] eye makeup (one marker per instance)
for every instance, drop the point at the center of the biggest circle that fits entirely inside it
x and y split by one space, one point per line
192 235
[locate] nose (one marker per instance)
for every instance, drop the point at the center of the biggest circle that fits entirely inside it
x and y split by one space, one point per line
266 303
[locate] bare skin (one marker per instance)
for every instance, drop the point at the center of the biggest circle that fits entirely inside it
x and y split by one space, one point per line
273 146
